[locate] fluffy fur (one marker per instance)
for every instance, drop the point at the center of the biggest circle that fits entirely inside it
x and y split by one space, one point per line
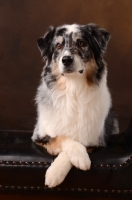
73 101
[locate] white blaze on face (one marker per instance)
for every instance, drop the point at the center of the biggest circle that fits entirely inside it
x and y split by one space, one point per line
77 63
71 28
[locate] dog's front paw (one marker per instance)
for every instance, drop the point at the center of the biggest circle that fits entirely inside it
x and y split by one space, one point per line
78 155
58 170
53 177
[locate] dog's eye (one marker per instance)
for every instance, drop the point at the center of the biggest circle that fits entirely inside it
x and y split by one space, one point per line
80 43
58 46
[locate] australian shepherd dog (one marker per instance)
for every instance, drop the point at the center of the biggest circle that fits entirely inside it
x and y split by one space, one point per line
73 101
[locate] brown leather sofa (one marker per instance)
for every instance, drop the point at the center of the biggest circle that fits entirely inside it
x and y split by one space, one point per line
23 164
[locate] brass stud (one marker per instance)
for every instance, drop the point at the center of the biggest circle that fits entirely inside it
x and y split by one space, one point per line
101 165
72 189
106 191
113 191
25 188
12 187
32 188
98 190
6 187
19 187
92 190
59 189
120 165
39 163
114 166
14 163
1 162
7 163
20 162
0 186
45 163
33 163
108 166
85 189
125 191
65 189
119 191
26 163
130 191
79 189
38 188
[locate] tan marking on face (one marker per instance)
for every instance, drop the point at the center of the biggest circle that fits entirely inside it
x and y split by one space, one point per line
77 36
59 39
90 71
61 82
54 146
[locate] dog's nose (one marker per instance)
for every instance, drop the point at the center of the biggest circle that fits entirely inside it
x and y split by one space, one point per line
67 60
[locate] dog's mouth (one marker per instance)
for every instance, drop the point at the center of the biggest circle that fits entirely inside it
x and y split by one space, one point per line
69 71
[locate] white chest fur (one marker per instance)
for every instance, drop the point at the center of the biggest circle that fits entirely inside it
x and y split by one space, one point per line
78 111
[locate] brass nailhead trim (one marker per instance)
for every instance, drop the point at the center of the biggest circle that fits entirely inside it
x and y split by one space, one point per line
66 189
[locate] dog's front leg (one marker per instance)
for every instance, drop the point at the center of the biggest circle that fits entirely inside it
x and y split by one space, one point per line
77 154
76 151
58 170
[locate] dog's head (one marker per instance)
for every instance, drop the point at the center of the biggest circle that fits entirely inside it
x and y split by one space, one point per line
72 48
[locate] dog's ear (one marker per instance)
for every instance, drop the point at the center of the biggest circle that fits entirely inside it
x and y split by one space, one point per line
99 37
44 43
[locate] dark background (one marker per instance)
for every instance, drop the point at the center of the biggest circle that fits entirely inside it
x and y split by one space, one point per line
22 22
